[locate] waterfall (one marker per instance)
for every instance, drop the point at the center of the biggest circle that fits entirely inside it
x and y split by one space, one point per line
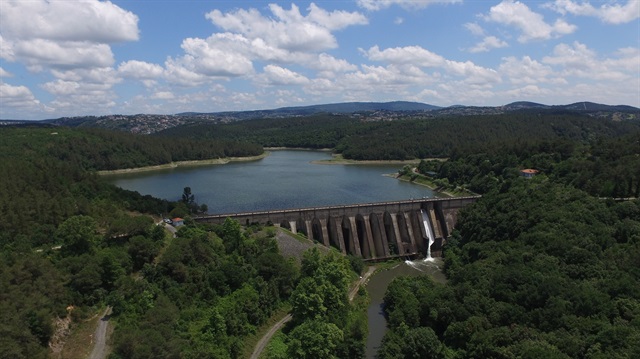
427 228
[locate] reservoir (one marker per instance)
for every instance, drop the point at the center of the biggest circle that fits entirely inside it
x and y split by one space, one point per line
284 179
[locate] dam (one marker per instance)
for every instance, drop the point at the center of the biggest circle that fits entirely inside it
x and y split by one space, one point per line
373 231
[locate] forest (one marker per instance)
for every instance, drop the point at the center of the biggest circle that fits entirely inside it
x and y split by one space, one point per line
542 267
411 138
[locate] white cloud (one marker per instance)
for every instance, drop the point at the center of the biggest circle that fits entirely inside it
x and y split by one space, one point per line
276 75
405 55
37 53
6 48
374 5
63 33
398 21
525 70
474 28
612 13
329 65
5 73
420 57
531 24
289 30
140 70
335 20
488 43
580 61
215 56
17 97
59 20
163 95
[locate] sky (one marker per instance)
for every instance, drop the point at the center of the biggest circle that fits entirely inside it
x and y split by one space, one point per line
88 57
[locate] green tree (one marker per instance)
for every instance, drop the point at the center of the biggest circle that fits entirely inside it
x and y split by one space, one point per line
314 339
78 235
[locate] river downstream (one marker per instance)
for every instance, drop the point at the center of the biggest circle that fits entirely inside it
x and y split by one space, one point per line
377 286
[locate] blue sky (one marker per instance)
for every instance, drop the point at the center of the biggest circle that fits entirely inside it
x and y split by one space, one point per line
88 57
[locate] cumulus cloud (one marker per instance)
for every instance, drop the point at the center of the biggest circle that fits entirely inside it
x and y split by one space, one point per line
488 43
328 66
40 53
215 56
140 70
474 28
531 24
17 97
405 55
289 30
580 61
420 57
525 70
287 37
612 13
374 5
63 33
276 75
5 73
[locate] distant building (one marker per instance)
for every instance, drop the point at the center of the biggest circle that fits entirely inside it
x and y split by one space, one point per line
177 222
528 173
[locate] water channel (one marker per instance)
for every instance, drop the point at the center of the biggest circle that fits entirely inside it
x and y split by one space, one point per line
377 286
291 179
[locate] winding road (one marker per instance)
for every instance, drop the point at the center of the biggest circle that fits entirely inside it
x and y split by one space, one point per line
262 343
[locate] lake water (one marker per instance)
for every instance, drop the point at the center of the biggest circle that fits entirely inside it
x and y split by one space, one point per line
284 179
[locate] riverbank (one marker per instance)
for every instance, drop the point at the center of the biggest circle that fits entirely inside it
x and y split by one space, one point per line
337 159
196 163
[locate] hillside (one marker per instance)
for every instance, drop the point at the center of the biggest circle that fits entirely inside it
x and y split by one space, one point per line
363 111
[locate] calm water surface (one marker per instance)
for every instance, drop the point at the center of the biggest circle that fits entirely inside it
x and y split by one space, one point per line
284 179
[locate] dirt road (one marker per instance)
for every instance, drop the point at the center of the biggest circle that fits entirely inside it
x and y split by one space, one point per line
100 337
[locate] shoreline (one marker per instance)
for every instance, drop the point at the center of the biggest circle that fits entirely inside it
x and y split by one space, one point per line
194 163
337 159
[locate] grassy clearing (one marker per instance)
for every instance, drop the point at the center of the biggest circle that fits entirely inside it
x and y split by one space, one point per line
427 182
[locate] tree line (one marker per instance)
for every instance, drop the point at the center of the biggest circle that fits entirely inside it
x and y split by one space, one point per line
411 138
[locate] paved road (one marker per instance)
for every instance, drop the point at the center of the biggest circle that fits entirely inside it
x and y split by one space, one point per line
100 337
257 351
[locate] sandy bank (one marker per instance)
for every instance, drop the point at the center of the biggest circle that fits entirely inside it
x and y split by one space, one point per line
214 161
339 160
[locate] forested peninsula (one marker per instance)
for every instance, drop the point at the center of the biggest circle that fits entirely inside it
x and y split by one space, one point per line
547 266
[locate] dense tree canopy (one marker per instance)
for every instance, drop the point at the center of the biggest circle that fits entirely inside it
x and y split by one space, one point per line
536 269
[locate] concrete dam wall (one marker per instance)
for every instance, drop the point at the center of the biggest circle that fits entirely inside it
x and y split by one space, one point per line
373 231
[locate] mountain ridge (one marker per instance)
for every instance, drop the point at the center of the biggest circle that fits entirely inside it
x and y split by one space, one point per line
367 111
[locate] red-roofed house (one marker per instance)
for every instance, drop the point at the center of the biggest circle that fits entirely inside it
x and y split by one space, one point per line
177 222
528 173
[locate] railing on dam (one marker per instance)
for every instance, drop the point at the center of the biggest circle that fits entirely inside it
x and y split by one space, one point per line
372 231
207 218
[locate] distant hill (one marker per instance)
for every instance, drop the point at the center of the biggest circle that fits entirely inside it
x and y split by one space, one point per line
366 111
341 108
